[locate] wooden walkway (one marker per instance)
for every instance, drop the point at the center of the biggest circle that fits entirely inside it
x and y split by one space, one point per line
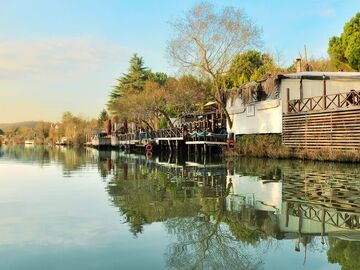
172 135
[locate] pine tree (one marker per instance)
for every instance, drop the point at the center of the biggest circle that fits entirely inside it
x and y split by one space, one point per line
102 118
132 82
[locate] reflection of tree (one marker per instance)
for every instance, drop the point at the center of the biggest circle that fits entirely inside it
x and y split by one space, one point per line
194 214
346 253
145 196
71 159
205 242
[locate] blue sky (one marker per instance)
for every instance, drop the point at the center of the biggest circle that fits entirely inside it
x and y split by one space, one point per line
65 55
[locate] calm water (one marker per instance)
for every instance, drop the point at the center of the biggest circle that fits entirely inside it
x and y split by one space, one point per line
83 209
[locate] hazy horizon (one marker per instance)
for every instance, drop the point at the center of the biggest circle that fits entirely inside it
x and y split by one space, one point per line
66 56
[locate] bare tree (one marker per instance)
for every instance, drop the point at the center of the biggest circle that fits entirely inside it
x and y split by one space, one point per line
206 40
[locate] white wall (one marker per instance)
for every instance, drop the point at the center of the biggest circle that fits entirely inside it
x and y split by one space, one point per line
266 117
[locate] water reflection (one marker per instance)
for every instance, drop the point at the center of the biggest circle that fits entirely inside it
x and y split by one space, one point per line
216 211
250 214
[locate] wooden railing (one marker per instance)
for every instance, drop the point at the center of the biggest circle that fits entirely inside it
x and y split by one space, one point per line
163 133
323 103
175 132
127 137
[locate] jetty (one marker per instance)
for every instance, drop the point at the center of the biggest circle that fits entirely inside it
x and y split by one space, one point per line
199 134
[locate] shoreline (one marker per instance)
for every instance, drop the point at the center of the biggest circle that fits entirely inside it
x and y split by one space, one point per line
270 146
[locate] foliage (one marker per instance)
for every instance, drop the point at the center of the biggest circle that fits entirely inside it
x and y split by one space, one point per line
249 66
74 128
321 64
206 40
162 98
131 82
187 93
346 253
345 50
270 145
134 80
158 77
103 116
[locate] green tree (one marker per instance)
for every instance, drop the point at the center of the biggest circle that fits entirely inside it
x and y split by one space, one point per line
249 66
103 116
346 253
129 83
344 51
114 96
134 80
159 77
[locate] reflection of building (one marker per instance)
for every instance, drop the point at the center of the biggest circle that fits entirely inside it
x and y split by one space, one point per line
302 203
250 191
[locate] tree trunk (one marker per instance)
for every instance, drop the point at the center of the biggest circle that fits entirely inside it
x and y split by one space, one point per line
222 104
147 124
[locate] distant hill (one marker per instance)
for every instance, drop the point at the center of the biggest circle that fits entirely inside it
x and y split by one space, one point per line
30 124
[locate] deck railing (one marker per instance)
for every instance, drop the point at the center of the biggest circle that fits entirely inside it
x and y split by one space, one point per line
323 103
175 132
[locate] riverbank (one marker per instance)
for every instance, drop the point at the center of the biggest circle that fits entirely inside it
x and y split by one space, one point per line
270 146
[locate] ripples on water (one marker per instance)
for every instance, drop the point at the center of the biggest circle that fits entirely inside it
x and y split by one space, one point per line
64 208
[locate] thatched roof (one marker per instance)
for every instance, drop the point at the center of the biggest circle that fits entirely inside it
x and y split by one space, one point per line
257 90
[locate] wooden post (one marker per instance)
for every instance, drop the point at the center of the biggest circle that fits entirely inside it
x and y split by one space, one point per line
210 153
324 92
287 214
212 122
287 99
205 154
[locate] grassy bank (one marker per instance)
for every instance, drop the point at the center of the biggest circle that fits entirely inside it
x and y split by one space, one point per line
270 146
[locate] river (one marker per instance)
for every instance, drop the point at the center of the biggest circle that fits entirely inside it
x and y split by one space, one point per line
66 208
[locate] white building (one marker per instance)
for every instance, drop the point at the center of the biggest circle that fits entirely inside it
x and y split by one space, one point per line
263 111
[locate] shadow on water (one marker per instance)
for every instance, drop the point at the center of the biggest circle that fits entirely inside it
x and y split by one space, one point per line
226 215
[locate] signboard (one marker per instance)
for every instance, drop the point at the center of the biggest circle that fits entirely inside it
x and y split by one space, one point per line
250 110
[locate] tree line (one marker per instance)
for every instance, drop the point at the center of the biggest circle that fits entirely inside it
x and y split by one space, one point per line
75 128
215 50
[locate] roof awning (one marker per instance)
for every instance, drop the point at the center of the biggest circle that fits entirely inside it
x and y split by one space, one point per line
318 75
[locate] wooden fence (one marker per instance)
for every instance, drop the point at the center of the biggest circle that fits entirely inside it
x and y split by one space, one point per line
334 129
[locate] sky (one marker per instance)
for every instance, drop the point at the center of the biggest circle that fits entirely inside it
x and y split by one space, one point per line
66 55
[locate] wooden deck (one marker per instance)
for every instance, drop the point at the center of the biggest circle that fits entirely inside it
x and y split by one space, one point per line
205 143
